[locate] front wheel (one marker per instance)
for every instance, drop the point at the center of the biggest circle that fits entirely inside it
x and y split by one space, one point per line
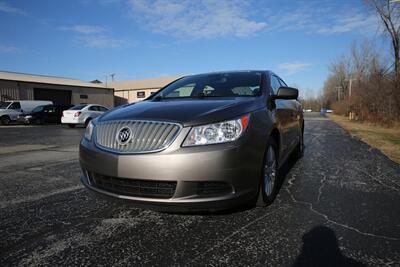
5 120
269 177
300 146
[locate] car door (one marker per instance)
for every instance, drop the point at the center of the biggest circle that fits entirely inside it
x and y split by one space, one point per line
14 110
95 111
294 117
51 115
91 112
282 116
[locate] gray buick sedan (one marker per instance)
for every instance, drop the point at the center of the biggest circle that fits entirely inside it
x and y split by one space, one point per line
203 142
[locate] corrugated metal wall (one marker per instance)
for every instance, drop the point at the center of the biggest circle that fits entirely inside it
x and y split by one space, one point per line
14 90
9 94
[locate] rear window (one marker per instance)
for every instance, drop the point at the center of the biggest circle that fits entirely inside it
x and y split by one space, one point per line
78 107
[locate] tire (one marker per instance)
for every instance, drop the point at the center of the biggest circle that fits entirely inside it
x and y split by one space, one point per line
269 175
71 125
87 121
300 146
5 120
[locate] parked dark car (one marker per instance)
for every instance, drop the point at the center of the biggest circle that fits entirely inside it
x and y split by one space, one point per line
45 114
208 141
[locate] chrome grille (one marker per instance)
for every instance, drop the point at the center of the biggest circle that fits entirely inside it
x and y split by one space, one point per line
147 136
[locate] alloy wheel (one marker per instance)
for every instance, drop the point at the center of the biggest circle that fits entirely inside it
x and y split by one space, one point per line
270 172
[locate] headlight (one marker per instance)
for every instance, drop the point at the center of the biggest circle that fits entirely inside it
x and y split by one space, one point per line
216 133
89 131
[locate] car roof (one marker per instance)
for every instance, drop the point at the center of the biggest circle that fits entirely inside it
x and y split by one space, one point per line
231 72
44 105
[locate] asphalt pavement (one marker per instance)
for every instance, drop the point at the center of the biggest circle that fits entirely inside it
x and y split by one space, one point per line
338 206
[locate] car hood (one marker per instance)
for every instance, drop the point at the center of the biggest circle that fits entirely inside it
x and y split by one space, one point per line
187 112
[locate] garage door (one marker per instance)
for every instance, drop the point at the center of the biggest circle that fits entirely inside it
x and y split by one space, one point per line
59 97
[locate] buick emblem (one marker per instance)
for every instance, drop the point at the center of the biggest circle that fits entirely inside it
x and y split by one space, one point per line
124 136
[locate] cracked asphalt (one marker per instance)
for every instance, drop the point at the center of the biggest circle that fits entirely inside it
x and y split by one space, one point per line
338 206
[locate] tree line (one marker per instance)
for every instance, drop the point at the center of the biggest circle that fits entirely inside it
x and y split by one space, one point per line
363 84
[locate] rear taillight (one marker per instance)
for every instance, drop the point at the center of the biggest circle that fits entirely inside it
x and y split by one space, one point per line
77 114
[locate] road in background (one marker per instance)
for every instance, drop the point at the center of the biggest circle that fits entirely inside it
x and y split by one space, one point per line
340 203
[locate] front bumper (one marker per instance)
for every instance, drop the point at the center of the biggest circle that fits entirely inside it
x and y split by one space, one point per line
24 119
237 165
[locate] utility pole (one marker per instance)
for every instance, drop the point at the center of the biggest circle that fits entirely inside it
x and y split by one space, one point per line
349 97
350 83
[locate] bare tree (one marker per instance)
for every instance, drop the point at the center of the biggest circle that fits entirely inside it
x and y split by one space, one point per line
389 12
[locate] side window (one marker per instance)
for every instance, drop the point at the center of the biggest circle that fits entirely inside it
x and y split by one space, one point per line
275 84
103 109
93 108
282 82
15 105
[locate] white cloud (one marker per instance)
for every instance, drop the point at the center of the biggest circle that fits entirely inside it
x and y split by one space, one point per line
94 36
348 23
293 67
101 41
6 8
8 49
198 19
85 29
324 18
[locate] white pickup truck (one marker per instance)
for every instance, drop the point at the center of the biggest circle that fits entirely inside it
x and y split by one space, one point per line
10 110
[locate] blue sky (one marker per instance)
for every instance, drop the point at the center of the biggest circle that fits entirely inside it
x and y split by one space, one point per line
88 39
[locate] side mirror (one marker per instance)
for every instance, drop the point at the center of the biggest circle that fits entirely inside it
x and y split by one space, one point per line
286 93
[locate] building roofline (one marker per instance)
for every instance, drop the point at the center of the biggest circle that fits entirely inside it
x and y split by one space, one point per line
35 78
40 75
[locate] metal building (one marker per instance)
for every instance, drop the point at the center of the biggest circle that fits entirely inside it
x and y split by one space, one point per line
21 86
136 90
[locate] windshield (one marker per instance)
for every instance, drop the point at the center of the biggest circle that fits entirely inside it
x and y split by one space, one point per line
4 105
214 85
78 107
38 109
